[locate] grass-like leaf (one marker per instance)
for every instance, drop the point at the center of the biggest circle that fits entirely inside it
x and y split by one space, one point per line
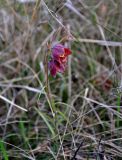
3 150
43 116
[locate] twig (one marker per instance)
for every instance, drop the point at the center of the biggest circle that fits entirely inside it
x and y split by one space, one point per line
47 85
74 157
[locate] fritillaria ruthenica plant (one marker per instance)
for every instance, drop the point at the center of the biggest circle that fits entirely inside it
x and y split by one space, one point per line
59 55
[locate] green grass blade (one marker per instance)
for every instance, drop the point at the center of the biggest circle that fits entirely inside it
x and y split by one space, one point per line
3 150
23 133
118 109
46 121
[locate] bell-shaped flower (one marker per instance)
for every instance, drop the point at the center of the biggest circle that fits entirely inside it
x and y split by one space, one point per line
58 59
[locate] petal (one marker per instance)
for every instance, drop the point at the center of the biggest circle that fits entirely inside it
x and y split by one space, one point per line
59 66
63 59
62 68
67 51
57 51
53 72
52 68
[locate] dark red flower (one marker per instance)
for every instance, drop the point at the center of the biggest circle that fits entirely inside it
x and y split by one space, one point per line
58 59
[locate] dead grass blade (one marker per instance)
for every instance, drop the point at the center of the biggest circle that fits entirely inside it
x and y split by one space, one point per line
10 102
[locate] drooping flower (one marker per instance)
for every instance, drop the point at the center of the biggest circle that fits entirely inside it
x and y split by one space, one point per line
58 59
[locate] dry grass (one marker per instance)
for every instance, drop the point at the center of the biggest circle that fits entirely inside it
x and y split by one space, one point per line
78 115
